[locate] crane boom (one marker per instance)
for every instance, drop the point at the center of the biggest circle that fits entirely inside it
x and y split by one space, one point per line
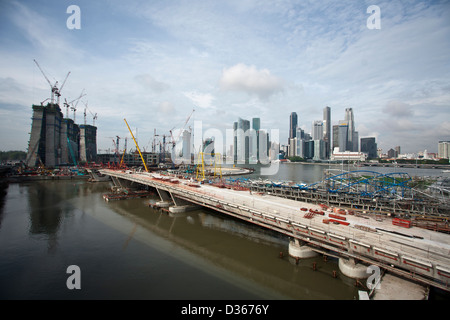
58 92
137 146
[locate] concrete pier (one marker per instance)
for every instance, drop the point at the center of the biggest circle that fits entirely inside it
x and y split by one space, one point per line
164 204
181 209
352 269
300 250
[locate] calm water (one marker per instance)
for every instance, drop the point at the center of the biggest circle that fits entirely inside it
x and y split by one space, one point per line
126 250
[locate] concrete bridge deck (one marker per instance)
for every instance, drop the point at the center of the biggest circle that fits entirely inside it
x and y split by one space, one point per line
416 253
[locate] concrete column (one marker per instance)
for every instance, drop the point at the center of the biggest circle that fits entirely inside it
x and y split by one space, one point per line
164 195
166 199
181 205
352 269
302 251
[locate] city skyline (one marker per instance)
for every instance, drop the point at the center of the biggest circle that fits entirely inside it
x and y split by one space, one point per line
153 63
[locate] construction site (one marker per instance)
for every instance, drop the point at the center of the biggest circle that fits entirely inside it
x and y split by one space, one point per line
58 141
55 139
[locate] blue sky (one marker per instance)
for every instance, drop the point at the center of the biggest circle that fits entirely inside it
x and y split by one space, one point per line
153 62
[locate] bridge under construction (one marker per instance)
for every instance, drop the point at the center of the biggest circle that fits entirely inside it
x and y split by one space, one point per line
359 239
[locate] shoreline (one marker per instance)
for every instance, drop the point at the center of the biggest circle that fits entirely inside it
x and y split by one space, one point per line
368 165
23 178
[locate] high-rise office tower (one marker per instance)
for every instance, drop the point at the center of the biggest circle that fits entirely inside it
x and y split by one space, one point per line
343 133
369 146
256 124
242 140
254 139
327 130
444 149
351 128
235 125
293 122
317 130
335 143
352 139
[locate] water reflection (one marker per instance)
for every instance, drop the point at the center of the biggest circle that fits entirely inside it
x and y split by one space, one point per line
3 192
249 252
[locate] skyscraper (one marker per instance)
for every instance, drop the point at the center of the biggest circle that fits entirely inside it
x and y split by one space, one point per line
241 140
254 141
327 130
335 143
317 130
352 137
369 146
343 133
351 128
444 149
293 121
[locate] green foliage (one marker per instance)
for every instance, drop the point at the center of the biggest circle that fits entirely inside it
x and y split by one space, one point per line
12 155
296 159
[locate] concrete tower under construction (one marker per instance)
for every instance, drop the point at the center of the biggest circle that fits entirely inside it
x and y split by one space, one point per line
88 143
55 140
45 139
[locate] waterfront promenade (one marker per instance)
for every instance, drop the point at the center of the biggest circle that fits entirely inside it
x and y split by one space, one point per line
358 240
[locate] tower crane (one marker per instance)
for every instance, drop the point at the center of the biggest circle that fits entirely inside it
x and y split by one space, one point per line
181 130
55 91
58 92
93 116
73 107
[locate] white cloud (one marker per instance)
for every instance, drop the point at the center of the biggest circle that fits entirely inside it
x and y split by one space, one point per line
249 79
166 107
148 82
202 100
398 109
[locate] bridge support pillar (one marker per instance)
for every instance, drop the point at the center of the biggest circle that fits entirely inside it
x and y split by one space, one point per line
351 269
300 250
181 205
166 199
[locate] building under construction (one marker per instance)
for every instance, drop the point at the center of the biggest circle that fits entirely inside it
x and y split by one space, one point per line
56 140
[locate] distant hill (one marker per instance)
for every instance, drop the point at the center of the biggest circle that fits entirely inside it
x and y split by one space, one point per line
12 155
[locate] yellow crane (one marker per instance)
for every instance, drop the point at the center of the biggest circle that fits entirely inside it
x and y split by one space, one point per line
137 147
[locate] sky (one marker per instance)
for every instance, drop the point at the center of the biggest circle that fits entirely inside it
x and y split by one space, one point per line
154 62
